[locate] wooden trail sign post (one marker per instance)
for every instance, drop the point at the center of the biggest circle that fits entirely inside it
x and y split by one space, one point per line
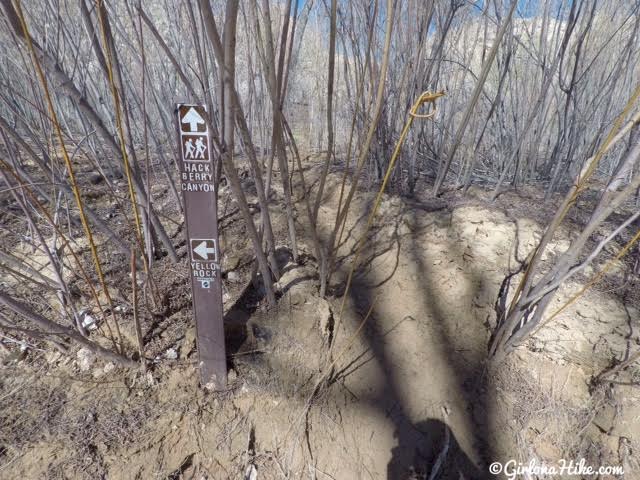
201 218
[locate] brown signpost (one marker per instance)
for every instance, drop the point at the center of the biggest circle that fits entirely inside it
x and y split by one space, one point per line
201 218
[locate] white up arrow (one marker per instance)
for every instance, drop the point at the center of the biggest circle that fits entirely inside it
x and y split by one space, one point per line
193 118
203 251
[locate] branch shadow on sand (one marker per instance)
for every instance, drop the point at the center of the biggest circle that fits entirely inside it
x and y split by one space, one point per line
429 446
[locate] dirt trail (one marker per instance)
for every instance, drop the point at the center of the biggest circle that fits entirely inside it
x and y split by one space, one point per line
411 387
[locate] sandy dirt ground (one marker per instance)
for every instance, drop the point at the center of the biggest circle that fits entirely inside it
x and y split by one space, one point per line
389 381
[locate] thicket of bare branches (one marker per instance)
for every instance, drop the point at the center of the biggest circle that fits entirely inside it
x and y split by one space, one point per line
537 93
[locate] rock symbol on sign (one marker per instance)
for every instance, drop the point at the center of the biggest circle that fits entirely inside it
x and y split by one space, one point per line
193 118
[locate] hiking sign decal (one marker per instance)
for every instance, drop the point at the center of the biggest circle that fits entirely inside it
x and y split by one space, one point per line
201 219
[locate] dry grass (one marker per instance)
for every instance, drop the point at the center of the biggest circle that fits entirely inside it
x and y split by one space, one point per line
41 409
550 427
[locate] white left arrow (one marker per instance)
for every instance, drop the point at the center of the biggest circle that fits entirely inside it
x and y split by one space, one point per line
203 251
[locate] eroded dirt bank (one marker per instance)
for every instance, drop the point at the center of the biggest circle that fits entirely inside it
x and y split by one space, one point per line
408 387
